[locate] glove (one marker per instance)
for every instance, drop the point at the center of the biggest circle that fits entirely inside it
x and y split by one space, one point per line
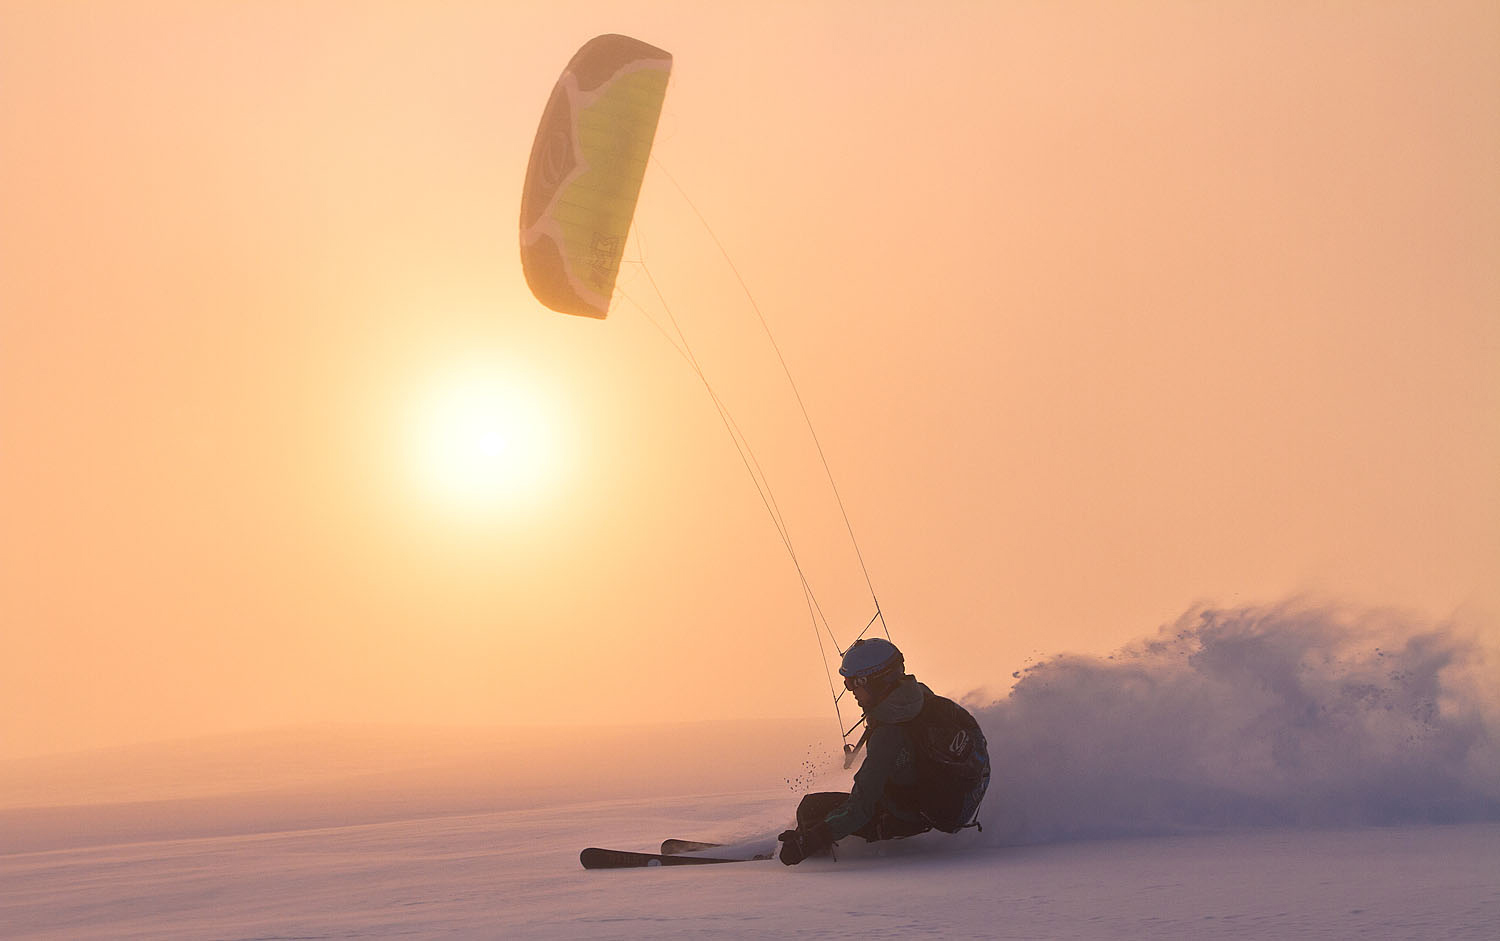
798 844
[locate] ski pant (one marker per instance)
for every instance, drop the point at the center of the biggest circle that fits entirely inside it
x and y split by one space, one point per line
884 825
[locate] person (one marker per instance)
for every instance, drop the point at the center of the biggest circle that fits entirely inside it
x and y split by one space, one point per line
926 763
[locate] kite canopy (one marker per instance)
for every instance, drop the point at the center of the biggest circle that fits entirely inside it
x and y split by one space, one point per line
585 172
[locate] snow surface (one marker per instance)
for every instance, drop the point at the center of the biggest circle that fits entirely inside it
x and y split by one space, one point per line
1262 772
515 874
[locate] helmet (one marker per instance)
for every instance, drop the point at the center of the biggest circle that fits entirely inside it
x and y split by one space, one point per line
871 656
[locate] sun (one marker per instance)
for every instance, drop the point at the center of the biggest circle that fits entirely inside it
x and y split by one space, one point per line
483 439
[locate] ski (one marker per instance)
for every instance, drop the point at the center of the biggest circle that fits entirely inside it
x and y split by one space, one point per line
596 858
673 847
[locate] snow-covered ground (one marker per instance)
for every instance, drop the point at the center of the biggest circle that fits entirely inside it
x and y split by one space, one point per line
1270 773
515 874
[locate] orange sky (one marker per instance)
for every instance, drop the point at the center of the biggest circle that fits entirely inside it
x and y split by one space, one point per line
1100 310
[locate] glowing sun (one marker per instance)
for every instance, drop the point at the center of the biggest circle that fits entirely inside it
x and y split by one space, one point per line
482 440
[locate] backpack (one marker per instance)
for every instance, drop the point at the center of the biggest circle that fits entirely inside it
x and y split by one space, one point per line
952 764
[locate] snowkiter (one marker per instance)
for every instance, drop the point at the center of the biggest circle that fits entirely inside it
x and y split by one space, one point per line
926 765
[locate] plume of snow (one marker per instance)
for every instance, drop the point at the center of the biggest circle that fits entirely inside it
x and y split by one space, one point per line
1288 714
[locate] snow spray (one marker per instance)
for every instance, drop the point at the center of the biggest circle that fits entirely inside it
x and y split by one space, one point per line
1292 714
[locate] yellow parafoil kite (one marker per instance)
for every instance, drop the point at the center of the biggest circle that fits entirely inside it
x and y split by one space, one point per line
582 183
585 172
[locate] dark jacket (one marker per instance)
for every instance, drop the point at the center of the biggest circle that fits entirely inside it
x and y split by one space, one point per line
890 763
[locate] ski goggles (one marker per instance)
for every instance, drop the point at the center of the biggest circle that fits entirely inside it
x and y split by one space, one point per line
882 677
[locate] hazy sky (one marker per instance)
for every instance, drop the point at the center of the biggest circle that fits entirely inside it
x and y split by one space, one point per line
1100 310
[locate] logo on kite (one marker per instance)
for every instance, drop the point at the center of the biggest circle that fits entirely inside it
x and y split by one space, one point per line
606 260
